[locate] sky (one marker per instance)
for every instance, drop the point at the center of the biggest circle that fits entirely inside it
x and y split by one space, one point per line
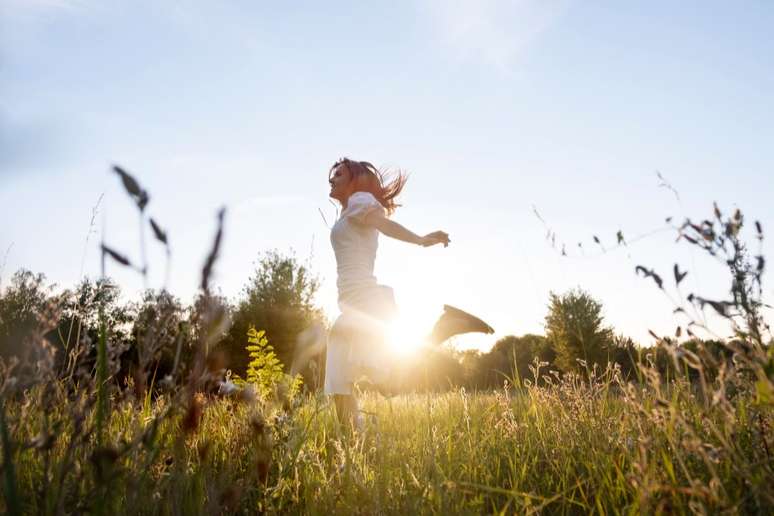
497 109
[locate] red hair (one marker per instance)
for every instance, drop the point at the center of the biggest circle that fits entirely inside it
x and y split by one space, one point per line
365 177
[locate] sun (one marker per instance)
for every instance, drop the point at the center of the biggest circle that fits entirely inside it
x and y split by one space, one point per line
405 335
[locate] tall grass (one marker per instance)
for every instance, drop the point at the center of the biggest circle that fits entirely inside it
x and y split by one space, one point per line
574 445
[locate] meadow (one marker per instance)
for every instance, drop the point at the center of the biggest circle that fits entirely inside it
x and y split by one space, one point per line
575 445
687 429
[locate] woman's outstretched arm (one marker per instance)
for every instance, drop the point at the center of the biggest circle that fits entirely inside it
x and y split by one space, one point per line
394 230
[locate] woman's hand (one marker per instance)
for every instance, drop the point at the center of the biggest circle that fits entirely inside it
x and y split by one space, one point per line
436 237
394 230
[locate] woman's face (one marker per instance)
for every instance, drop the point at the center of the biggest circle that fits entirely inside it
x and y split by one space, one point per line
339 181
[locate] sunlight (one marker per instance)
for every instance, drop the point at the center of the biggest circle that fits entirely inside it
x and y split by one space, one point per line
406 334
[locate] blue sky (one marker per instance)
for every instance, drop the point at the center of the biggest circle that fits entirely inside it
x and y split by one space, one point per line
493 107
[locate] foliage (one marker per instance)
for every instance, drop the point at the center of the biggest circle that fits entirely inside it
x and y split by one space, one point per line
22 306
161 339
279 298
626 354
209 319
511 356
750 353
574 328
264 371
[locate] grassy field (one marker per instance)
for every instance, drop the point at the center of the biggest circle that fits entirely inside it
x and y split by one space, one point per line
570 446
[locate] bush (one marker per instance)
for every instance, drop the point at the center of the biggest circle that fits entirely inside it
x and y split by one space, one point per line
574 329
279 299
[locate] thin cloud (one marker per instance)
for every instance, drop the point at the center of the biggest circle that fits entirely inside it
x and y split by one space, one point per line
496 31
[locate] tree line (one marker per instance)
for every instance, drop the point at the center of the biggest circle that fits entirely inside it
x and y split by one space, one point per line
151 341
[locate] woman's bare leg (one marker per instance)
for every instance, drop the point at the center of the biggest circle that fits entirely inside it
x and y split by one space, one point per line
346 409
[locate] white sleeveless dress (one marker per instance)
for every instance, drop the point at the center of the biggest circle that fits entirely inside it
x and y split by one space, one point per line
356 343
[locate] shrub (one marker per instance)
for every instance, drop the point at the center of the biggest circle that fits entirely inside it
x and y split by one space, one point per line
265 369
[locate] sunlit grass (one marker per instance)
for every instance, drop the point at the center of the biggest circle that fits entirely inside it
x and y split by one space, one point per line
573 446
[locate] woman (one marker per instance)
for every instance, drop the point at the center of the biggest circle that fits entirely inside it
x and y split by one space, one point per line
356 344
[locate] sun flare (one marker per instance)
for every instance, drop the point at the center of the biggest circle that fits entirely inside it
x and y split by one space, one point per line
406 335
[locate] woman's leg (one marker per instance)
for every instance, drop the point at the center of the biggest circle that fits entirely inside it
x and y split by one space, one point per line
347 410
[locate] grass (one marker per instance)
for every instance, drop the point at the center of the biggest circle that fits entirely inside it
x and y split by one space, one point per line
576 446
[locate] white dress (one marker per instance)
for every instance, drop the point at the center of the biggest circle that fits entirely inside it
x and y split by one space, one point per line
356 343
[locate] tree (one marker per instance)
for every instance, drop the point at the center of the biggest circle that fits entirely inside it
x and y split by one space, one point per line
435 369
471 362
277 299
511 357
77 331
574 329
160 335
24 306
209 317
625 352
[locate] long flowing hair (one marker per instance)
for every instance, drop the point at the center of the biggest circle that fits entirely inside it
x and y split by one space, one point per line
384 186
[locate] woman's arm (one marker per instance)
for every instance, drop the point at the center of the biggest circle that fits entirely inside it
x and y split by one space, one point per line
394 230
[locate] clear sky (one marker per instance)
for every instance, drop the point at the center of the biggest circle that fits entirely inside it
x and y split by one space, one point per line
492 106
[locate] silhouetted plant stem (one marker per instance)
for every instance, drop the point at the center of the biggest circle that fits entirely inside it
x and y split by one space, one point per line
101 376
101 364
94 211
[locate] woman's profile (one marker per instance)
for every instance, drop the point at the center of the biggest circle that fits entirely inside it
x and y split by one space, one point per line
356 343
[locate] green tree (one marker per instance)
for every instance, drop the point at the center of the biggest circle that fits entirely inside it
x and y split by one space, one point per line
511 357
209 318
626 353
435 369
278 298
161 339
77 331
23 307
575 330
